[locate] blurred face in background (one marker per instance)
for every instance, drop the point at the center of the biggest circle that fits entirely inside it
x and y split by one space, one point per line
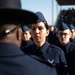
26 35
52 28
64 36
39 33
72 34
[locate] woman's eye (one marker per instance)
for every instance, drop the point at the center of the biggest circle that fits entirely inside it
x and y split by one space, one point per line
40 28
33 29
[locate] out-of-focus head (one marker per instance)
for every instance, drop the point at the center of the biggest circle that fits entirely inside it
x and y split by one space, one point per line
11 11
64 34
12 16
26 33
72 29
25 28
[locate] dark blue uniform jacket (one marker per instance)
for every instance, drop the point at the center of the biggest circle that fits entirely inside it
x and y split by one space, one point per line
69 50
51 54
26 44
14 62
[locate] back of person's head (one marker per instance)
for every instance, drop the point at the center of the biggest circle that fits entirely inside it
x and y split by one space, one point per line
12 10
52 28
12 16
72 29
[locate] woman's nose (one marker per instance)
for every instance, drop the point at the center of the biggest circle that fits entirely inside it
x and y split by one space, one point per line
37 30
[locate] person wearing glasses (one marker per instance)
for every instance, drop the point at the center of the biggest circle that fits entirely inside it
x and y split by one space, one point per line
65 44
12 60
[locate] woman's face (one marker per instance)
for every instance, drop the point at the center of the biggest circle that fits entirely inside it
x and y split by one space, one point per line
39 32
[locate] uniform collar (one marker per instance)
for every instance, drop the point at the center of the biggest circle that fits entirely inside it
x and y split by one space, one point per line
29 42
44 47
67 46
10 50
73 40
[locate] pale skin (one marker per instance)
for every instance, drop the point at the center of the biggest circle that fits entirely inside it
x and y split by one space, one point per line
64 36
72 34
26 36
39 33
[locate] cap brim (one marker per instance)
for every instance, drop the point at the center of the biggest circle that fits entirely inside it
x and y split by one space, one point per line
25 16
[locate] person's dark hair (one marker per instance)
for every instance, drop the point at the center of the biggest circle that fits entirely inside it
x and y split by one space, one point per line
46 25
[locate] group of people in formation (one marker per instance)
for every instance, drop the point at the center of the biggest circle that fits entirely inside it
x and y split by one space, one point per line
35 50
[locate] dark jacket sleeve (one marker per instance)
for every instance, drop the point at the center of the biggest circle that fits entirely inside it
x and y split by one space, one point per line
63 63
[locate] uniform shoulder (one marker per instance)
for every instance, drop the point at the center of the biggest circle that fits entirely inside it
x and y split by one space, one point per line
55 47
73 44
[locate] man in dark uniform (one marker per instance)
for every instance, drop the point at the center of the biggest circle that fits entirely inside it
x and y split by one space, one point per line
42 49
67 47
26 37
12 60
72 29
52 37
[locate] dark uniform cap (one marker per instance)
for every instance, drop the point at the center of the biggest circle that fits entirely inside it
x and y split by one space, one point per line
63 26
71 27
11 10
25 28
41 17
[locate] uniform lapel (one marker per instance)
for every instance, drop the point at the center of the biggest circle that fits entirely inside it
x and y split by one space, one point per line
47 53
41 60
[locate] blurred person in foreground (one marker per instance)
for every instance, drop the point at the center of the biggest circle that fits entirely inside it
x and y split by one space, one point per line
12 60
50 54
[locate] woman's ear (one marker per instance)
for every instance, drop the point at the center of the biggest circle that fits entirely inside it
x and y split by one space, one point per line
70 34
47 32
19 33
